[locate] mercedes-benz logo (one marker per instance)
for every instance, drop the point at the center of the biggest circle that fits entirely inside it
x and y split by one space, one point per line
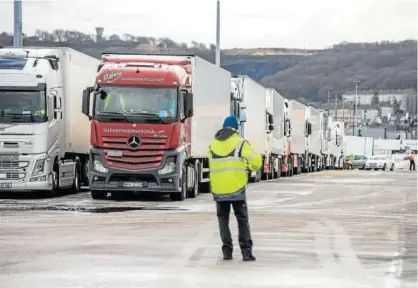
134 141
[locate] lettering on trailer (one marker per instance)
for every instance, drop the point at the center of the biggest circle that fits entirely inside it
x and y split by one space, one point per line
132 131
111 76
143 79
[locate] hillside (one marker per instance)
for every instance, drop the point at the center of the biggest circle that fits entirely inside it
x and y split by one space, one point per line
296 73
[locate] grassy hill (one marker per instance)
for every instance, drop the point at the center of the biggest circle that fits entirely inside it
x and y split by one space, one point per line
296 73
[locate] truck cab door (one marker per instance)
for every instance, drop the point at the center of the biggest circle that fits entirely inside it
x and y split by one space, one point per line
55 119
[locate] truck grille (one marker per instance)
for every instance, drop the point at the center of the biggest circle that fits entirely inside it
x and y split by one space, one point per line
148 155
9 164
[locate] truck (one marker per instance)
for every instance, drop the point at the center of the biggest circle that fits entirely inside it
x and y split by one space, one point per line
326 141
152 120
287 163
338 140
313 139
44 137
298 141
275 136
258 124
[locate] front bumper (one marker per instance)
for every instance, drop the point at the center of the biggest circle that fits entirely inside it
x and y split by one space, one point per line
20 179
115 179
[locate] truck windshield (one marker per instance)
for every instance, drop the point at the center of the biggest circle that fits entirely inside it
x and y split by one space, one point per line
22 106
138 103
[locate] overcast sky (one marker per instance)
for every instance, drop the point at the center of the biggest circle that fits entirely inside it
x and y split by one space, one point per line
244 23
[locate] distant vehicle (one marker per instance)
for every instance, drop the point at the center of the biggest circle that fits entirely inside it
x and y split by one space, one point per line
358 162
380 162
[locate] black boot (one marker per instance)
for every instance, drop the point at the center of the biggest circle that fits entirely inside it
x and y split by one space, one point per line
248 256
227 253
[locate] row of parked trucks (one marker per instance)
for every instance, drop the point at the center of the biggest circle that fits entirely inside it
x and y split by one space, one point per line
133 123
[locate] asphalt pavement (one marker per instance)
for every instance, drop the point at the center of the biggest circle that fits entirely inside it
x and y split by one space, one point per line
325 229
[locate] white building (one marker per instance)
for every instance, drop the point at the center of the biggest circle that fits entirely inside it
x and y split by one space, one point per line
366 97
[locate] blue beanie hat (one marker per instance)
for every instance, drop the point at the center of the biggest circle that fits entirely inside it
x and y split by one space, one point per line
231 121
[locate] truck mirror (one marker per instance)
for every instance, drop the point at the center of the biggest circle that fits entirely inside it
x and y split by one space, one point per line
270 118
271 127
86 102
188 104
242 116
309 128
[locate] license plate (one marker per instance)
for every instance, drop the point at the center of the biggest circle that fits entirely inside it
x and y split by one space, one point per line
9 157
133 184
5 185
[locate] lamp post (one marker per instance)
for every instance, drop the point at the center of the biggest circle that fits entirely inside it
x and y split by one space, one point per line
355 111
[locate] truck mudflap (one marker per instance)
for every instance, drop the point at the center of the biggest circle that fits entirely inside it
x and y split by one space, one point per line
112 179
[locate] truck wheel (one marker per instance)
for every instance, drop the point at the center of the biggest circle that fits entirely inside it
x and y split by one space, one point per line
183 194
77 179
195 190
98 195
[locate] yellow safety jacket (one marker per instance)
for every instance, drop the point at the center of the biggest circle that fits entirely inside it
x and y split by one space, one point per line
229 155
109 98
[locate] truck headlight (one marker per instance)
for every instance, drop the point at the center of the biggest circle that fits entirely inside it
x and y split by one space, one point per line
39 167
169 167
98 165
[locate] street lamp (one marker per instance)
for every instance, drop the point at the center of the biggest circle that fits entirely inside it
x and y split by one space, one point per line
355 111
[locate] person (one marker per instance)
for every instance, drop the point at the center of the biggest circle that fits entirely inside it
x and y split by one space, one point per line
229 155
114 102
412 160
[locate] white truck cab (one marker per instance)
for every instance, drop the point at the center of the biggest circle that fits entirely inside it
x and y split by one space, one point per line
34 120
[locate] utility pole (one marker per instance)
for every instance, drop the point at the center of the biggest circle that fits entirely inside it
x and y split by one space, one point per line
355 111
218 33
353 107
17 33
336 106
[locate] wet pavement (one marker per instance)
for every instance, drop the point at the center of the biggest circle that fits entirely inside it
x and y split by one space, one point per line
326 229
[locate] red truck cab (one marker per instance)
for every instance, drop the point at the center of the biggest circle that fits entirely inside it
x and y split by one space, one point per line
139 111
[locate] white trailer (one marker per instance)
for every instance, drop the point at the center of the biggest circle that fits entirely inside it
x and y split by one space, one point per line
355 145
298 142
386 146
275 145
44 136
313 140
257 124
326 141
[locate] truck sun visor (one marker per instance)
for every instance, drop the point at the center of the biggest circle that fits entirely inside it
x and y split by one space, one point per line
12 63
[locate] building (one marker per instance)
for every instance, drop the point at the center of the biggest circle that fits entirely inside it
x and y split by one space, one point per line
385 96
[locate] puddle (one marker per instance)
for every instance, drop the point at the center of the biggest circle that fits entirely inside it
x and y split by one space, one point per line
106 209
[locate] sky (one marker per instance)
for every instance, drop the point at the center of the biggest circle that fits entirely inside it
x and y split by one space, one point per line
311 24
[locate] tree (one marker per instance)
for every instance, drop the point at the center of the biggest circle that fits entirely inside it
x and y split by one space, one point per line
129 37
59 35
114 38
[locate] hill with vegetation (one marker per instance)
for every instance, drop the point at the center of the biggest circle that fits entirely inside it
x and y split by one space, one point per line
295 73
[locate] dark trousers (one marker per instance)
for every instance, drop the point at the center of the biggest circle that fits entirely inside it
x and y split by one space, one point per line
223 209
411 164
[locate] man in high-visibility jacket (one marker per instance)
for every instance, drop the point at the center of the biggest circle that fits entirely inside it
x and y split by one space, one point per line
114 102
229 155
412 161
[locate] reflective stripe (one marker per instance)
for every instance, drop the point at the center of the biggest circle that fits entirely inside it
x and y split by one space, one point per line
228 169
229 158
251 156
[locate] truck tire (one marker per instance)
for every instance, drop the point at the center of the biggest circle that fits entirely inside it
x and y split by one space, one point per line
195 190
98 195
183 194
77 179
